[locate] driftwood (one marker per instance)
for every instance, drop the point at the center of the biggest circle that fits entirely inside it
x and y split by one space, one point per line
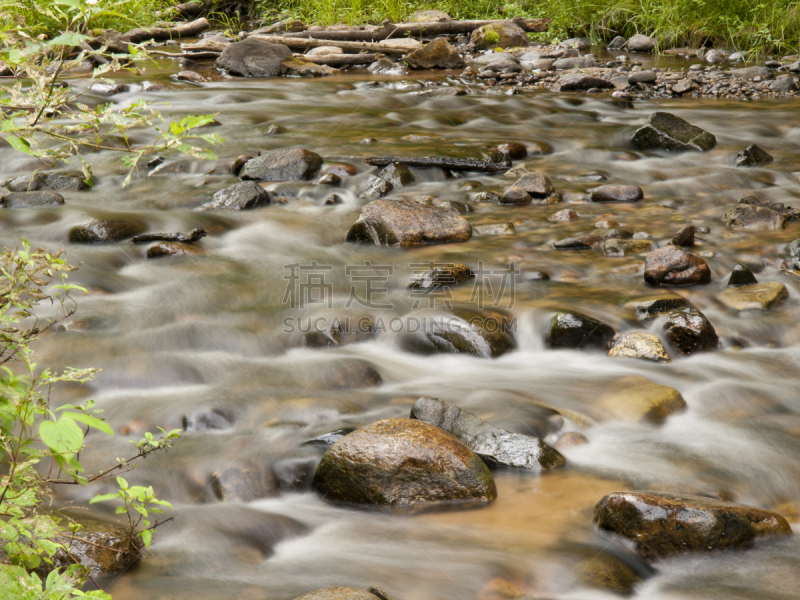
345 46
451 164
415 30
341 60
192 55
137 36
190 238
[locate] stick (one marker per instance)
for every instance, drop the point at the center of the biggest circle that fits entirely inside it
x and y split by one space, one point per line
452 164
137 36
345 46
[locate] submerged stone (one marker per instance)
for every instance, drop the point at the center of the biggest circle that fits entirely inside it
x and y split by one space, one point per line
242 483
638 344
684 236
754 213
342 593
617 247
282 165
665 131
31 199
752 156
491 443
637 399
485 334
617 193
755 296
574 330
649 308
99 231
245 195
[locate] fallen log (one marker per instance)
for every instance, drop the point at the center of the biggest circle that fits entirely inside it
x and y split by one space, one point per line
190 238
415 30
345 46
137 36
451 164
341 60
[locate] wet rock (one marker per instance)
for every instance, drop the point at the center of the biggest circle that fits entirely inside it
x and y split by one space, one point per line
275 129
245 195
208 420
438 54
754 213
493 444
638 344
495 229
376 187
443 91
641 43
576 62
515 195
499 35
396 174
665 131
756 296
568 329
783 85
191 76
294 474
617 43
592 240
612 570
403 462
282 165
663 525
513 150
329 439
617 247
351 374
642 77
236 165
341 593
617 193
64 182
253 57
172 249
99 231
407 223
646 309
741 275
109 89
331 179
442 276
683 86
31 199
535 184
102 548
300 67
689 331
485 334
461 208
340 332
324 51
242 483
752 156
684 236
638 400
572 82
486 197
563 215
570 439
750 73
671 265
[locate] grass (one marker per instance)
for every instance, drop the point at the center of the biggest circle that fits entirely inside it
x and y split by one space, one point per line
769 26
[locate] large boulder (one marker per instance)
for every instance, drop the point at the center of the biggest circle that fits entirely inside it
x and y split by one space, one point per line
689 331
672 265
403 462
662 525
483 334
499 35
407 223
245 195
253 57
491 443
31 199
282 165
665 131
438 54
569 329
641 43
99 231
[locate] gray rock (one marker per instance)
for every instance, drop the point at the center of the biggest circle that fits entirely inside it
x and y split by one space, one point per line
64 182
253 57
617 43
438 54
396 174
442 276
592 240
641 43
245 195
536 184
752 156
783 85
574 63
105 230
543 64
172 249
683 86
582 81
282 165
31 199
754 213
642 77
617 247
750 73
491 443
617 193
242 483
376 187
649 308
573 330
503 35
495 229
665 131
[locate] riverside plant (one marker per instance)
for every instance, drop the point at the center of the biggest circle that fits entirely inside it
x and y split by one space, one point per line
40 444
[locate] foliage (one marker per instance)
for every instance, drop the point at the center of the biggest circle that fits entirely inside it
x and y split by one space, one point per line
37 438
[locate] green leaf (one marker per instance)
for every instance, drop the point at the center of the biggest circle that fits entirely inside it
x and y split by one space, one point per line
68 39
104 497
147 537
62 436
90 421
20 143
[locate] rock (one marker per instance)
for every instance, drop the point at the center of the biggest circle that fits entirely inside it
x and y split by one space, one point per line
215 419
570 439
563 215
617 43
663 525
64 182
515 195
341 593
499 35
683 86
407 223
750 73
339 333
574 330
754 213
671 265
638 344
513 150
495 229
282 165
617 193
665 131
282 26
462 208
684 236
104 230
581 81
741 275
245 195
689 331
403 462
443 91
577 62
331 179
793 248
636 399
253 57
324 51
535 184
429 16
350 375
102 548
617 247
396 174
756 296
376 187
329 439
438 54
649 308
275 129
606 571
641 43
591 240
442 276
31 199
543 64
109 89
485 334
752 156
783 85
242 483
581 44
192 76
491 443
172 249
642 77
294 474
301 67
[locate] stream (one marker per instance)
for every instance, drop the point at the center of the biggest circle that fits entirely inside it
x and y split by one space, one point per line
178 337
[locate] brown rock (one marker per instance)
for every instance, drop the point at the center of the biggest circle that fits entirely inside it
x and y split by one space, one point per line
689 331
499 35
617 193
672 266
172 249
438 54
685 236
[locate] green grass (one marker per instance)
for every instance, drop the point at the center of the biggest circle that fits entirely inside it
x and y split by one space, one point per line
769 26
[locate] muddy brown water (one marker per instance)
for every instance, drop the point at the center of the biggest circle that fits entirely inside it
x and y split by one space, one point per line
178 336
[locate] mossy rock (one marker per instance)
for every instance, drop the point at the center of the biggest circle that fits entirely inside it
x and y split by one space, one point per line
499 35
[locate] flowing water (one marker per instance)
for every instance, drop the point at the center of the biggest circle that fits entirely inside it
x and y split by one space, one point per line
175 337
